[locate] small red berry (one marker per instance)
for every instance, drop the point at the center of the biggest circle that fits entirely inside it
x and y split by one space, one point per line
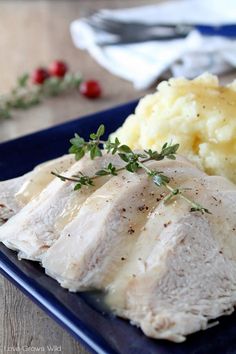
39 76
58 68
90 89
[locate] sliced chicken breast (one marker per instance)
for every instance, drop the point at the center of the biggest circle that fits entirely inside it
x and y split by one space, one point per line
185 281
181 272
95 244
170 273
17 192
168 270
36 226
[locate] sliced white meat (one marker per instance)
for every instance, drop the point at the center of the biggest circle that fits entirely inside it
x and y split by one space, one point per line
181 272
94 245
36 226
166 269
183 283
41 176
17 192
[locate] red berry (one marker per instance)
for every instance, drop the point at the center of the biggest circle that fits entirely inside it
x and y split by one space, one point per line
90 89
39 76
58 68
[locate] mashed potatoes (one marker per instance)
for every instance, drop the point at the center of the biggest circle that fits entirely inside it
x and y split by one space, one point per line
198 114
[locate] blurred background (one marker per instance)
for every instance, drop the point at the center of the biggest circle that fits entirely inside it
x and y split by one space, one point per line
34 33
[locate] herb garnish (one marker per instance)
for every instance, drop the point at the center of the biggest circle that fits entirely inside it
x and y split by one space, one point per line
24 96
134 161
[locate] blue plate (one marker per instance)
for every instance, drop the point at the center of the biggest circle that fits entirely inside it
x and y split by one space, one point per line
83 314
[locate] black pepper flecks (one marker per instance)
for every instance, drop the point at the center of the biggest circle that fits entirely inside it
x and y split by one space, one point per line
3 220
143 207
167 223
131 230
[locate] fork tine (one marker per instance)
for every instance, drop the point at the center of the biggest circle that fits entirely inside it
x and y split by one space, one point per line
109 22
105 24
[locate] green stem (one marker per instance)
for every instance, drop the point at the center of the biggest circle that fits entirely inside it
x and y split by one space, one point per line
64 177
141 164
24 96
174 191
76 178
195 206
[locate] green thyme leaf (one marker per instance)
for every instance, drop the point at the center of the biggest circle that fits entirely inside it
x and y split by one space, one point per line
112 146
154 155
110 170
134 161
169 150
132 167
100 131
22 80
200 208
125 149
24 96
153 173
77 186
102 173
171 157
93 136
4 113
77 141
94 152
79 154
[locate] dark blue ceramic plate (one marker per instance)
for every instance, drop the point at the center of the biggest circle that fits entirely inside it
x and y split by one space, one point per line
81 314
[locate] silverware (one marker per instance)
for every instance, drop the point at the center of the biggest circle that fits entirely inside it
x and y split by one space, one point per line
133 32
124 32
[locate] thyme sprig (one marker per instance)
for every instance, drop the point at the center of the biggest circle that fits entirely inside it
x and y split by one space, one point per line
134 161
80 147
24 95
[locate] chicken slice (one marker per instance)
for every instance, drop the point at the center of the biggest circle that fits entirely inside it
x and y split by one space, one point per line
96 243
17 192
186 282
181 272
36 226
168 270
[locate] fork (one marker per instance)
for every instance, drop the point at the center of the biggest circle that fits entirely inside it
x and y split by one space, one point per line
128 32
136 31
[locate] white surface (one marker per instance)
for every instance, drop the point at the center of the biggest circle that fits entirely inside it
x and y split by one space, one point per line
143 63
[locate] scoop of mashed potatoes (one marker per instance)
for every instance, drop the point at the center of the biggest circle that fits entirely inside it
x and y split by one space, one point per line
198 114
